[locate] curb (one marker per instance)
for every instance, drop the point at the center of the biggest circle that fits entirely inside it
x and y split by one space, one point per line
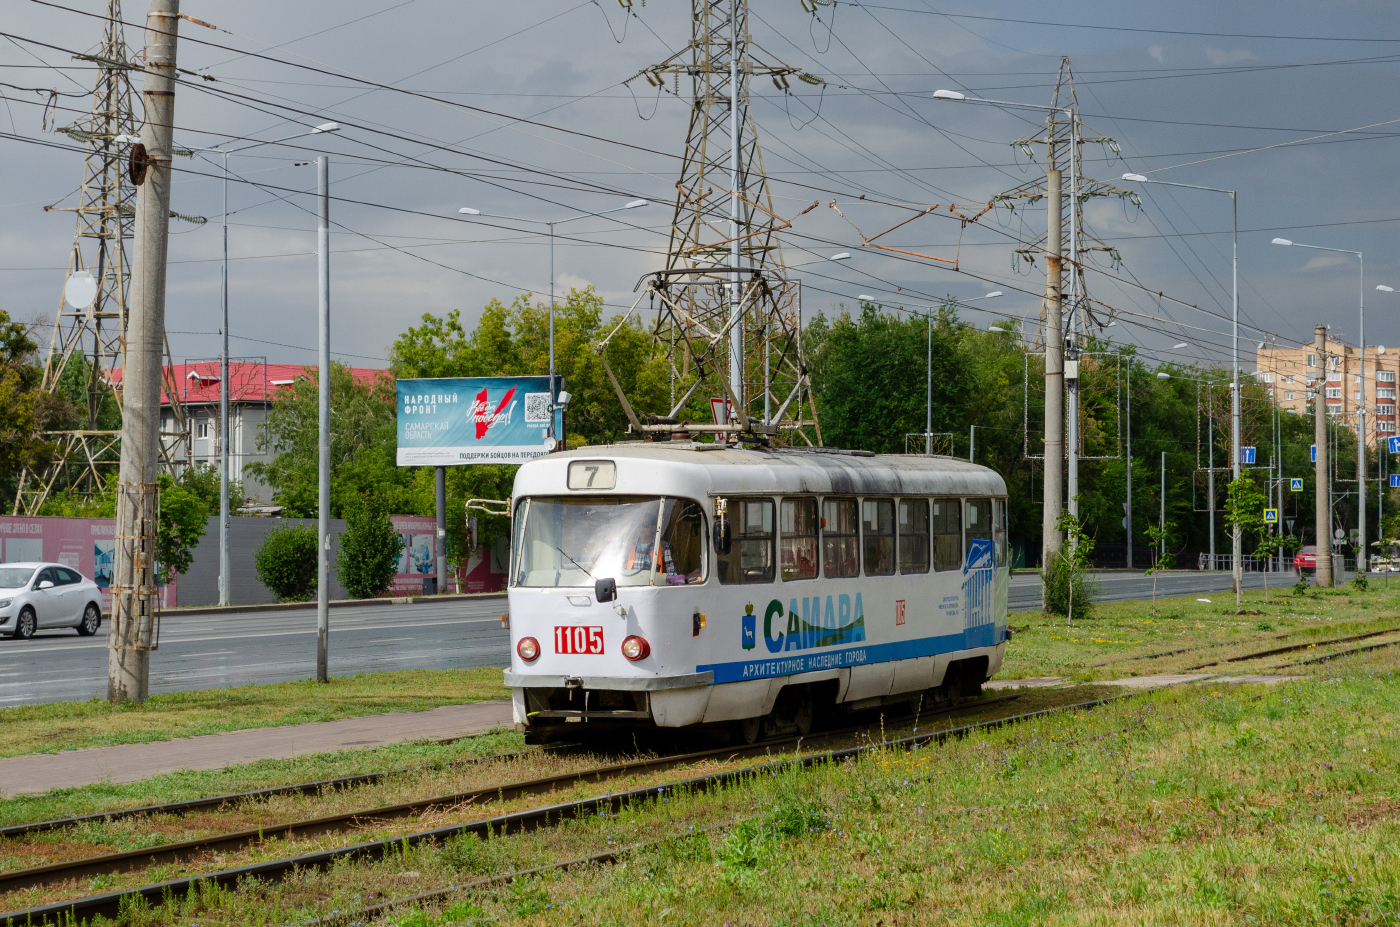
336 603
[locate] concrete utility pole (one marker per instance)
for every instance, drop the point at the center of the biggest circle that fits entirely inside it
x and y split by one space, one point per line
132 634
323 517
1324 488
1054 376
1128 506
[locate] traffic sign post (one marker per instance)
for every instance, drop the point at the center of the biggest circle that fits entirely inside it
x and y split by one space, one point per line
1271 516
1395 481
1296 485
1247 455
1394 445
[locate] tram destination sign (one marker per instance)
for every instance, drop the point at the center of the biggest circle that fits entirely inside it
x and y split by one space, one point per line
457 421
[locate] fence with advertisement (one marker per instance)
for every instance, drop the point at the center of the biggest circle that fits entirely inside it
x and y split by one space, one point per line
85 544
484 571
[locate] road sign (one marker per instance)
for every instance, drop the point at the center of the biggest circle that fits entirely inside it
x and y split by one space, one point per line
1394 480
1394 445
1246 455
1295 485
1314 453
1271 516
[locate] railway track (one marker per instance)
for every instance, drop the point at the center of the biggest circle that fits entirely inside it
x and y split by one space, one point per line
1293 648
110 903
15 831
181 851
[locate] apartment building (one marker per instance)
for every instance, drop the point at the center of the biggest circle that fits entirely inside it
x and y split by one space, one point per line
1291 375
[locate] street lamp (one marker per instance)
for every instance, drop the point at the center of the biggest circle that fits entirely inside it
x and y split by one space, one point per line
1235 551
1362 558
224 574
468 211
843 256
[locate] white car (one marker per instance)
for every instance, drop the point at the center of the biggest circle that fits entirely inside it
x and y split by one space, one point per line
47 595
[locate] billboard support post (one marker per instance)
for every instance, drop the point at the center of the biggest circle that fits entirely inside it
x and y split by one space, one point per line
440 536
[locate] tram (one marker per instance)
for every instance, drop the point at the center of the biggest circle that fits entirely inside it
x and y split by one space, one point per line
748 590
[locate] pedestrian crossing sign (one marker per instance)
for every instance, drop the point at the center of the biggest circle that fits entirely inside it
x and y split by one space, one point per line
1271 516
1295 485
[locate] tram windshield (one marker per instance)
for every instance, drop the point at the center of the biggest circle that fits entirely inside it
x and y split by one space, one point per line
573 541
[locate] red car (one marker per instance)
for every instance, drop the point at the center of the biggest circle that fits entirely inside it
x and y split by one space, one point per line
1306 559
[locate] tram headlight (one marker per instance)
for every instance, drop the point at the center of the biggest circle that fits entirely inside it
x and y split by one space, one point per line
636 648
528 648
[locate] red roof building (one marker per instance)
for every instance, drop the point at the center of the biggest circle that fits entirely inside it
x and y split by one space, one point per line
253 386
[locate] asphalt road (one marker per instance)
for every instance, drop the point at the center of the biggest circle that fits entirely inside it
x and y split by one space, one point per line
1121 586
214 651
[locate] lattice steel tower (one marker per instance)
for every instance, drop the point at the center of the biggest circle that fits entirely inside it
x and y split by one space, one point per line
726 310
88 340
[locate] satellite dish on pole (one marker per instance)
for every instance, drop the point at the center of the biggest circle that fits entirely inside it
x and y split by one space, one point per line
80 290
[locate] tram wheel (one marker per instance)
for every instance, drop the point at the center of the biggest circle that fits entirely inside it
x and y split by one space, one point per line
748 729
804 714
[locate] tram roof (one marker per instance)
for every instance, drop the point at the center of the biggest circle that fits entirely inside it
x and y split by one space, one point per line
781 470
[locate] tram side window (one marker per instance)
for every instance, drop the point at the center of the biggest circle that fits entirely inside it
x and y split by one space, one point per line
840 538
877 526
682 551
797 543
913 536
979 525
946 525
750 557
999 532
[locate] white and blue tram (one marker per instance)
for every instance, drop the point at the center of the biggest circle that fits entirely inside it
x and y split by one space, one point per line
667 585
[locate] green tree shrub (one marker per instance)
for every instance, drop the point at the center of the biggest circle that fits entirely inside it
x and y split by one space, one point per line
286 562
1068 585
369 550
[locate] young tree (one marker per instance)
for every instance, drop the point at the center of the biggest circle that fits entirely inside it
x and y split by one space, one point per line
183 518
1161 538
369 550
1244 513
1066 574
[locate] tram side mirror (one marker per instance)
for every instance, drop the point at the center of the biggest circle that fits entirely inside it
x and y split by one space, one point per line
723 537
605 590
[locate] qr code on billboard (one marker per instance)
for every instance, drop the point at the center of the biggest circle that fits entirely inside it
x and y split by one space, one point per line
537 407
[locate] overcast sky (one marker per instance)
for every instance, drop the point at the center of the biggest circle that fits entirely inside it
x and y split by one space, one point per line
1186 88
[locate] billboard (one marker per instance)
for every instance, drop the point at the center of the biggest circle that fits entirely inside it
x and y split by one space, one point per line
473 420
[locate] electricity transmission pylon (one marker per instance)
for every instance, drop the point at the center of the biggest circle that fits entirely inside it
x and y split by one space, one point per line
726 312
88 340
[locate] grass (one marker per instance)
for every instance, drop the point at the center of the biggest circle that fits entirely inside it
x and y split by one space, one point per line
60 726
1196 805
1118 631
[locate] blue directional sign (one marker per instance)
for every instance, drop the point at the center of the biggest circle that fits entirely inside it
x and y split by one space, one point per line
1395 481
1295 484
1314 453
1271 516
1246 455
1394 445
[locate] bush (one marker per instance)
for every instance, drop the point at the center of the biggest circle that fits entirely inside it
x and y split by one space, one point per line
1059 576
369 552
286 562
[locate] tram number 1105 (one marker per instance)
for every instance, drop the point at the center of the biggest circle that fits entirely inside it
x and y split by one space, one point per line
578 640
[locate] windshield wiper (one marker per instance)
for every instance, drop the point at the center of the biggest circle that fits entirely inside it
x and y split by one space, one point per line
575 562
